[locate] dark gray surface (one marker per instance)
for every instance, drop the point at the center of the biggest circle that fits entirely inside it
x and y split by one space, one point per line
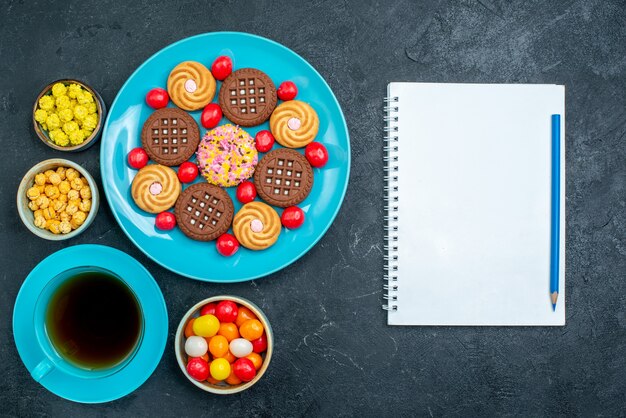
334 353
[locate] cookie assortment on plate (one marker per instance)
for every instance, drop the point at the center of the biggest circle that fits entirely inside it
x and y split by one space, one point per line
226 156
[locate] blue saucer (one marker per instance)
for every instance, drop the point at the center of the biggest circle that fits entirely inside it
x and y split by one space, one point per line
172 249
150 351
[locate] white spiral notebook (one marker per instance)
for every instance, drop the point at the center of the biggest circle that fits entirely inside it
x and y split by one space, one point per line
468 188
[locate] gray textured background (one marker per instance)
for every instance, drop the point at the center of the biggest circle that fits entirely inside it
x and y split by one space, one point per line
334 353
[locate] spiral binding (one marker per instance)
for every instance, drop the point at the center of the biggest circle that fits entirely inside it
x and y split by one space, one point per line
391 151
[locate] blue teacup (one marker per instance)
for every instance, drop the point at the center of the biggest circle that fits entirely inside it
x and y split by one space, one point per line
54 356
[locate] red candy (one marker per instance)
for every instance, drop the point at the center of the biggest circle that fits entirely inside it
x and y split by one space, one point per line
138 158
317 154
226 311
246 192
208 309
264 141
165 221
287 91
227 245
198 368
187 172
157 98
211 115
260 344
292 217
244 369
222 67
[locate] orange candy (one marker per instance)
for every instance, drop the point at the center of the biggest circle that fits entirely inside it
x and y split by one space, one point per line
218 346
230 357
229 330
256 359
233 379
212 381
243 314
189 328
251 329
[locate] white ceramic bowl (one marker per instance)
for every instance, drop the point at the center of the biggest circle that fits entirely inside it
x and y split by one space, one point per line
223 388
27 216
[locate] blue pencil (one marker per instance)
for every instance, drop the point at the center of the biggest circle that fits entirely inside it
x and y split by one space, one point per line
556 209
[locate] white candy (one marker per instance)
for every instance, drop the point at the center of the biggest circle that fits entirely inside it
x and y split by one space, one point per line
240 347
197 346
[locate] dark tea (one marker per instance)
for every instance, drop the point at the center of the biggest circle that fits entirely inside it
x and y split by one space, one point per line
94 320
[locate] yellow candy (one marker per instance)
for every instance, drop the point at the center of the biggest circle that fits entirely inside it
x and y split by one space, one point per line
85 205
54 179
69 127
49 213
71 208
79 217
61 172
42 202
91 108
63 102
41 115
77 184
53 121
58 206
40 221
66 115
220 368
52 192
84 98
65 227
80 112
53 226
38 212
46 102
77 137
47 173
59 137
64 187
206 326
63 197
73 194
65 217
32 205
73 90
59 89
90 122
71 174
32 193
40 179
85 192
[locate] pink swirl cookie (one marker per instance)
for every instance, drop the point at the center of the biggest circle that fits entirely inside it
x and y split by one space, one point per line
227 156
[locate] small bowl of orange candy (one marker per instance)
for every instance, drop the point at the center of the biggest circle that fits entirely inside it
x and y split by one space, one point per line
224 344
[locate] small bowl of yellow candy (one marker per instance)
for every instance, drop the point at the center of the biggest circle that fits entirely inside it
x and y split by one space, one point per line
57 199
68 115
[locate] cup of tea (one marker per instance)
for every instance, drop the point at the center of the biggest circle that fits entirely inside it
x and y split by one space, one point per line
88 322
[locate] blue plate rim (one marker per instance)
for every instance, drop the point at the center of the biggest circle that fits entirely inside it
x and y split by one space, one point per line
99 247
343 190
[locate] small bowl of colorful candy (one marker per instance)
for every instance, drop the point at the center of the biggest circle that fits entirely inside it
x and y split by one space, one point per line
224 344
68 115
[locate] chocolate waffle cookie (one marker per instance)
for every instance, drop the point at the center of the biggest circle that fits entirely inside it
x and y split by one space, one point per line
283 177
170 136
248 97
204 211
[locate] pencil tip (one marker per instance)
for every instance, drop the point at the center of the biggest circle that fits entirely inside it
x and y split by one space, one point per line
554 307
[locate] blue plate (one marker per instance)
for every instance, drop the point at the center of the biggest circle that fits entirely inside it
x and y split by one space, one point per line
200 260
149 352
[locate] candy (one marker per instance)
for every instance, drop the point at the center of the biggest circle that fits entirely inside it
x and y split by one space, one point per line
232 379
240 347
198 369
211 115
220 369
226 311
256 359
206 326
264 141
287 91
189 328
243 314
138 158
229 331
157 98
187 172
165 221
260 344
251 329
244 369
208 309
227 245
196 346
246 192
292 217
222 67
317 154
218 346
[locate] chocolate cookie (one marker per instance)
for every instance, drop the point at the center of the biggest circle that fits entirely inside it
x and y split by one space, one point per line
170 136
204 211
283 177
248 97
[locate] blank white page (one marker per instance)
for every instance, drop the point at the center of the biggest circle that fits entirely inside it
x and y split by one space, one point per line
474 187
